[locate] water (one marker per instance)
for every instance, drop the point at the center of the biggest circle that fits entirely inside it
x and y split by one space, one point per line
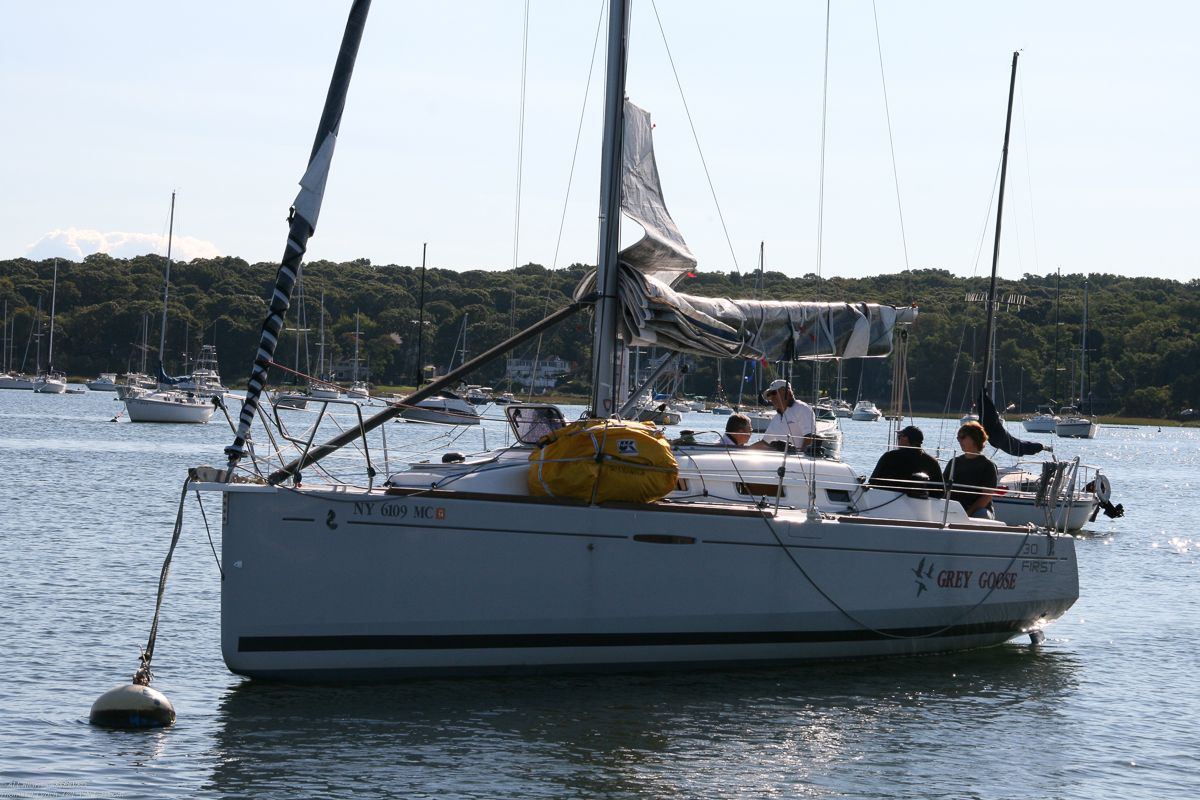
1106 707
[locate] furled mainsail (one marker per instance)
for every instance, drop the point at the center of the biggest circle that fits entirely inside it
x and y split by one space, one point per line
653 313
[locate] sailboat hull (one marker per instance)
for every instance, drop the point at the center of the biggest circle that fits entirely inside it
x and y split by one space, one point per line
329 586
167 407
1077 428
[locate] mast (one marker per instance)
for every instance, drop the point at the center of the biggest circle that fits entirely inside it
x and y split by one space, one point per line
162 341
54 298
1057 293
991 301
321 356
302 223
1083 352
37 364
604 351
354 379
421 320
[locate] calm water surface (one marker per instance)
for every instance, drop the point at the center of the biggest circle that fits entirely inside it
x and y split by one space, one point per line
1106 707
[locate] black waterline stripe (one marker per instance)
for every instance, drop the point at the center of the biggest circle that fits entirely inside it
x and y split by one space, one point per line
280 644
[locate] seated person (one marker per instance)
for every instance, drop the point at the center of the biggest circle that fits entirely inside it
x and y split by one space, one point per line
896 468
794 421
737 431
973 476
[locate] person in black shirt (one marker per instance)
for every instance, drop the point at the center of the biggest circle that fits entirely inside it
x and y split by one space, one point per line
973 470
901 469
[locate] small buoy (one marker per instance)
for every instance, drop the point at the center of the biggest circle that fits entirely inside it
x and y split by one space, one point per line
132 707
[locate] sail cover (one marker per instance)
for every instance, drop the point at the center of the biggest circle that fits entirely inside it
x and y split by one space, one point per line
653 313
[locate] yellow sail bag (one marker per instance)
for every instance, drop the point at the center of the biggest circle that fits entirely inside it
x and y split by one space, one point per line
597 460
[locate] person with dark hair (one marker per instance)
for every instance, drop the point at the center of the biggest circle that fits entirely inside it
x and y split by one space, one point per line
908 468
737 431
972 477
794 422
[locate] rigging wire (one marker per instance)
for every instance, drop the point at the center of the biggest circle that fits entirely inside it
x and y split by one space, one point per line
699 150
892 145
587 87
816 370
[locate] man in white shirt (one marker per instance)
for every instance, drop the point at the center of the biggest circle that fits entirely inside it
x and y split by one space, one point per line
794 421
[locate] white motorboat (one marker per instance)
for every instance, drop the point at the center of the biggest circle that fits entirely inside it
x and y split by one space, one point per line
204 379
504 399
446 409
754 557
477 396
722 411
50 383
107 382
866 411
1044 421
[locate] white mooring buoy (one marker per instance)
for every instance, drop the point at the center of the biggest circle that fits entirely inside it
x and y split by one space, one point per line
132 706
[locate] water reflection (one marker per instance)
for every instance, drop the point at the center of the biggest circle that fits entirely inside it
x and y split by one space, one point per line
804 730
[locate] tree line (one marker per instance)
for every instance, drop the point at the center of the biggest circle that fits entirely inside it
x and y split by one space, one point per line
1143 340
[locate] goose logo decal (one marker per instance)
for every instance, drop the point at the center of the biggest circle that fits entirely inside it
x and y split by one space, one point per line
921 573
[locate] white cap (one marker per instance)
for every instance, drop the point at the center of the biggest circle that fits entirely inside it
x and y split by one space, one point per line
777 385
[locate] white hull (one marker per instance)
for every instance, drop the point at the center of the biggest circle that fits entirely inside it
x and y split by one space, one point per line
168 407
759 421
443 584
866 411
1040 424
1019 509
7 382
101 386
439 417
50 386
1077 428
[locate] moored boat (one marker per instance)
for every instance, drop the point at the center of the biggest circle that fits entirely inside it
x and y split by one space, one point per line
477 565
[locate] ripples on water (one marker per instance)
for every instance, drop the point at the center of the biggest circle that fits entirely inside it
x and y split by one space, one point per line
1105 708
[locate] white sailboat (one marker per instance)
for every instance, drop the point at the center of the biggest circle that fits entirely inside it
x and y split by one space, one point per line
166 403
107 382
1072 422
324 390
51 381
755 557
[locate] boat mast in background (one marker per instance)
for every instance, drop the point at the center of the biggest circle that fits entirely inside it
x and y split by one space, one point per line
420 372
162 339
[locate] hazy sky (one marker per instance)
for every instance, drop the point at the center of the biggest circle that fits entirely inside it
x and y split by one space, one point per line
110 106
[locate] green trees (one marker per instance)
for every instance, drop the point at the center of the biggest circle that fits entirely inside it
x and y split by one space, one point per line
1143 338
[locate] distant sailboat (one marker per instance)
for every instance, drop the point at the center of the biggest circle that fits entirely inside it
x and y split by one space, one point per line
167 403
51 381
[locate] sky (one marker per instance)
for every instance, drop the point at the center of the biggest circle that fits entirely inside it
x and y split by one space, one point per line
109 108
